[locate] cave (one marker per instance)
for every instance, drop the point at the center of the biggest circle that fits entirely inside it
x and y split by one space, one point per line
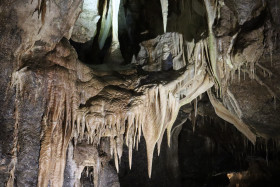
120 93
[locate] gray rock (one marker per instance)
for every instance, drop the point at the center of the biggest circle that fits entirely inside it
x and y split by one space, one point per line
86 25
245 10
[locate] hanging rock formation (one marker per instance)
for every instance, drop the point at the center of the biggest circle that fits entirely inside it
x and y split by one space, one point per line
106 23
164 9
85 26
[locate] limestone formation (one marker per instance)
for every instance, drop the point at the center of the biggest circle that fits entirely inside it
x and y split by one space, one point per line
164 9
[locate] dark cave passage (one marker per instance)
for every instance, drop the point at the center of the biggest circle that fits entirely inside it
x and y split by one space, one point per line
215 154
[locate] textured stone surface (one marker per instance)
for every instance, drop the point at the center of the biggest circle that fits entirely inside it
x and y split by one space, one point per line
22 24
86 25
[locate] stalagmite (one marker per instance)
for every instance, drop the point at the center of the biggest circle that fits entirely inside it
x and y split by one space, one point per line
115 26
234 104
104 105
116 157
130 154
118 111
164 10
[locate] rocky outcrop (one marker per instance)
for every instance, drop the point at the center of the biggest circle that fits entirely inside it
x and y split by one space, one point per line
26 27
86 25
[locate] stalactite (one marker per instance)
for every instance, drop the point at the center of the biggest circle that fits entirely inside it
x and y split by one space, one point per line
195 107
223 113
52 158
164 10
106 23
58 118
116 156
41 8
266 153
115 26
265 70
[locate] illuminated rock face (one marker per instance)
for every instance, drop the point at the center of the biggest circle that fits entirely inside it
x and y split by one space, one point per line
106 23
85 26
62 119
164 9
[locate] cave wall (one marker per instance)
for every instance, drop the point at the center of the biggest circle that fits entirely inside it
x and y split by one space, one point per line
26 27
